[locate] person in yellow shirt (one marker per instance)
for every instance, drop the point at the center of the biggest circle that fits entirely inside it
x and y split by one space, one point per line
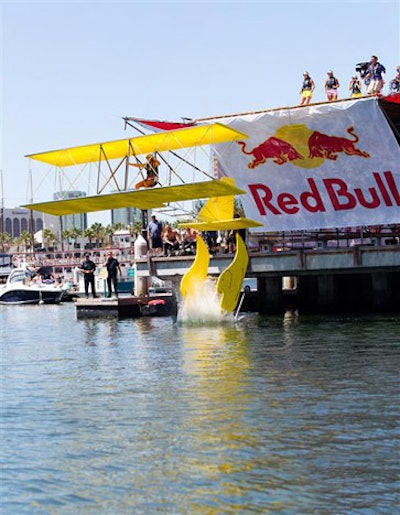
355 87
307 89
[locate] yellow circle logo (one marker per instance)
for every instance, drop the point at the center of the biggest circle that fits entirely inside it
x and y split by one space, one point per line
298 136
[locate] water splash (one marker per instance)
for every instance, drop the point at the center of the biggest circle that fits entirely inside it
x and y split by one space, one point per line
203 308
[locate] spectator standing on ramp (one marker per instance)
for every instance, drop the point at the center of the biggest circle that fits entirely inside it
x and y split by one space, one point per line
374 76
395 83
307 89
331 86
154 235
355 87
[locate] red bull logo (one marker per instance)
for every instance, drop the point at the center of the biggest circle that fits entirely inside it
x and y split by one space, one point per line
329 147
278 150
302 147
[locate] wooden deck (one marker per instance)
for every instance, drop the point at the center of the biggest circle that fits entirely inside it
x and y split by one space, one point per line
121 307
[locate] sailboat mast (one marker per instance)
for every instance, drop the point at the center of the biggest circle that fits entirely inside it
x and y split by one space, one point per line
2 212
31 227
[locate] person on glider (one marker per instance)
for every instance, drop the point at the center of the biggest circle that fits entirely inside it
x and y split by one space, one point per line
151 166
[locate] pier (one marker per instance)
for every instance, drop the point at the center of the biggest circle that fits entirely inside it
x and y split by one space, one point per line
360 278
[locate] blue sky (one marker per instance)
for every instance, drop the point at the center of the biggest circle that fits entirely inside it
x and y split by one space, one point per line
71 70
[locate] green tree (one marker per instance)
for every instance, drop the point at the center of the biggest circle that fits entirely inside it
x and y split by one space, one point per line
89 235
136 228
49 237
68 235
75 234
25 240
98 233
118 226
109 232
5 241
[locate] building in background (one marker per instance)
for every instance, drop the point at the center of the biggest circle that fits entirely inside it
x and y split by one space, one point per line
78 220
15 221
126 216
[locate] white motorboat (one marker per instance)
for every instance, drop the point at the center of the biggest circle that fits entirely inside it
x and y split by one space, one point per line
19 289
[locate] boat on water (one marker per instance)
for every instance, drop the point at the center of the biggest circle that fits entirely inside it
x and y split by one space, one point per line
19 289
6 265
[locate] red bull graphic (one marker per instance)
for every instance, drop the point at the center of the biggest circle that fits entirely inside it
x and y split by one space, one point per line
302 147
330 165
278 150
381 191
329 147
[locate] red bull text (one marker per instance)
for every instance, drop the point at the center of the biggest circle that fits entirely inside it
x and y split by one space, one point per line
336 191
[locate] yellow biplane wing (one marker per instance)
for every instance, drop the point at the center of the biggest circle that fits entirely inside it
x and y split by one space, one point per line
223 225
217 214
230 281
195 277
159 142
142 199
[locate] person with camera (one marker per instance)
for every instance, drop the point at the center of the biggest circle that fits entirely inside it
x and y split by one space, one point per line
395 83
355 87
374 76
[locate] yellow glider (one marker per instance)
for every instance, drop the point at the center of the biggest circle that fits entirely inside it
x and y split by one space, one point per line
195 277
142 199
217 214
223 225
230 281
159 142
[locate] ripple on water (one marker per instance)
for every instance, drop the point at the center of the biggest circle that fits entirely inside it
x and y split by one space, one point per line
282 414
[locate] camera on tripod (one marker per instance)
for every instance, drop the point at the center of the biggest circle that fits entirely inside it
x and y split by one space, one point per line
362 69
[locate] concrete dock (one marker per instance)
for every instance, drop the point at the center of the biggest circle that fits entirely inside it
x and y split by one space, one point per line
361 278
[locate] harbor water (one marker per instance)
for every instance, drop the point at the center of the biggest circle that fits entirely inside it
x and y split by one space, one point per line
290 415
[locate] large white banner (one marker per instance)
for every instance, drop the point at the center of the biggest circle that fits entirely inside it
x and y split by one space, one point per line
330 165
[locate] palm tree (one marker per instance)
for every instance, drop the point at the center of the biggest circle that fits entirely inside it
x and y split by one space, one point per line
75 234
26 239
109 231
67 235
98 233
118 226
89 234
49 237
136 228
5 240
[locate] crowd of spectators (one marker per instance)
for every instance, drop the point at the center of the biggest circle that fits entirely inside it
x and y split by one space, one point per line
368 80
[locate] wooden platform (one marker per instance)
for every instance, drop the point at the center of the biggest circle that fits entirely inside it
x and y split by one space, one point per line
121 307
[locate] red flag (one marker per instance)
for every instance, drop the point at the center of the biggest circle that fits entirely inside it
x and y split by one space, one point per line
157 125
392 97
